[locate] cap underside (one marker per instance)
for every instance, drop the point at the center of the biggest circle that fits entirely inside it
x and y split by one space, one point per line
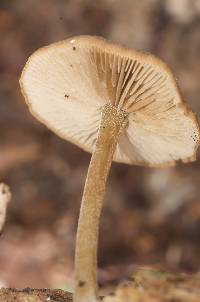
67 83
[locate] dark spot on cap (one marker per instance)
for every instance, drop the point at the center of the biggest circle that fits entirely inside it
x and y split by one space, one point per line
81 283
71 65
74 48
66 95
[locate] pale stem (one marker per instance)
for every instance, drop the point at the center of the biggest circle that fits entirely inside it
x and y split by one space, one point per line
113 121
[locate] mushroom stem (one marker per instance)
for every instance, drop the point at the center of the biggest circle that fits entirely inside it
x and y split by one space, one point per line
113 120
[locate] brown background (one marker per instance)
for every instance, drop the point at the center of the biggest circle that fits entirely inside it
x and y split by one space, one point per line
151 216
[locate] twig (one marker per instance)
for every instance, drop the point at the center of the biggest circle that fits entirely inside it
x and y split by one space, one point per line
5 196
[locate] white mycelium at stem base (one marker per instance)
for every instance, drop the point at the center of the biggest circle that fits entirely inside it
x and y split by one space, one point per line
113 121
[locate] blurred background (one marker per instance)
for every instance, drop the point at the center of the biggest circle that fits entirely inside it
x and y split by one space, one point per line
151 216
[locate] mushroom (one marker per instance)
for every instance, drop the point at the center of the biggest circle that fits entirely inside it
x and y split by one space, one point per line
116 103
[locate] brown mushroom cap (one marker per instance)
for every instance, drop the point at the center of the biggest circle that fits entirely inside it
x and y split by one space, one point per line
67 83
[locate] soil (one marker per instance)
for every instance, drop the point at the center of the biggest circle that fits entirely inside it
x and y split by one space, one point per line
34 295
156 285
146 284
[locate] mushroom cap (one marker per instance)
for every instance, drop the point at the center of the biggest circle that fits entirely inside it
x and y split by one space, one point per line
66 84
